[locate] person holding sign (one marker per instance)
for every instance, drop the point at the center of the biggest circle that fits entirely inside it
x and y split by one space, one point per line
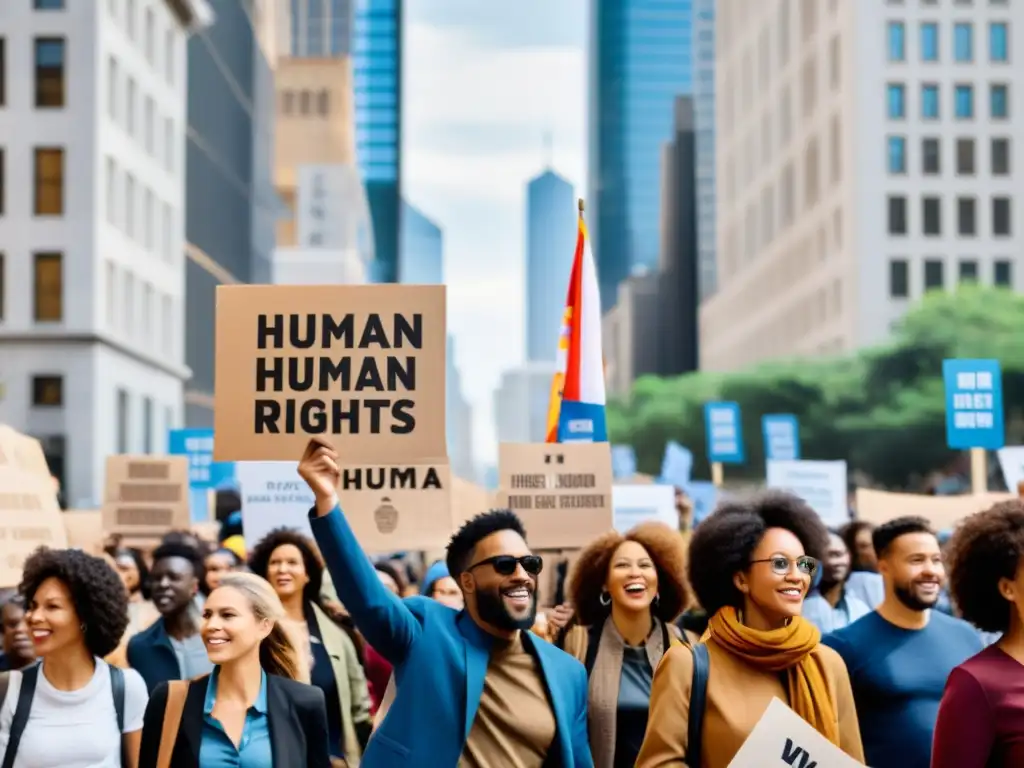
474 688
751 565
627 591
981 717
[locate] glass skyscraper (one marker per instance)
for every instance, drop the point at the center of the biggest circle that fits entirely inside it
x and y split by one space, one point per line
640 59
422 254
704 103
321 28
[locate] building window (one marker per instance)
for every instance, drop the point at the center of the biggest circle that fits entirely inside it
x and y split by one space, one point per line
931 157
897 154
966 220
148 220
963 42
147 425
964 98
929 41
169 153
897 215
49 64
998 42
3 72
149 126
111 196
149 35
112 82
899 278
897 41
1002 273
930 101
169 58
965 157
49 181
49 288
123 414
129 205
968 269
999 101
3 177
129 19
1000 157
305 100
288 102
323 102
47 391
48 5
1001 216
129 106
931 214
897 102
933 275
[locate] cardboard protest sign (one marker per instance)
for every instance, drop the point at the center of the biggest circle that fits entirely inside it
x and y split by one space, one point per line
84 529
362 364
392 508
22 452
145 497
561 491
782 738
29 518
943 512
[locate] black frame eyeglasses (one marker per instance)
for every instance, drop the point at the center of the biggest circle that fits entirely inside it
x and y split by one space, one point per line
782 565
505 565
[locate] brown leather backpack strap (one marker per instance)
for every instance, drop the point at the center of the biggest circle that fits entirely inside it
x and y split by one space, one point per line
177 691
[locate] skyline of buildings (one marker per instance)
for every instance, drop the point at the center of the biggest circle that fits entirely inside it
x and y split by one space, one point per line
422 258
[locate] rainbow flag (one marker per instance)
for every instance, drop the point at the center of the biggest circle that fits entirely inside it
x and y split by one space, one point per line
576 406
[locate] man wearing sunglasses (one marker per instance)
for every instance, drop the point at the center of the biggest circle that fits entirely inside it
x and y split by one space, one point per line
475 690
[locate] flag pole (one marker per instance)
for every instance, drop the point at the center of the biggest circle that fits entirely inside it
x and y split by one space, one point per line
580 203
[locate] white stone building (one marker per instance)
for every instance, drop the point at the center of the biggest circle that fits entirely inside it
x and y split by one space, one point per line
92 136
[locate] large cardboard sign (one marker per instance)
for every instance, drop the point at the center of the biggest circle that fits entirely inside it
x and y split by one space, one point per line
363 364
782 738
561 491
29 518
145 496
22 452
84 529
943 512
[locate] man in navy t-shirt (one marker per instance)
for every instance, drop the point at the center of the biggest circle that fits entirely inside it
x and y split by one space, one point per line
900 655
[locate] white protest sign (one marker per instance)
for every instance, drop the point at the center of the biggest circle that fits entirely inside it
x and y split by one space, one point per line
273 496
1011 461
822 484
783 738
635 504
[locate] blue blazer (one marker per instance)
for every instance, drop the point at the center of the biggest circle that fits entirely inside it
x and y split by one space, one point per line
151 654
440 660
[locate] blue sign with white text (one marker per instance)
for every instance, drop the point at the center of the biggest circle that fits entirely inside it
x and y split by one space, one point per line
623 461
781 437
203 472
724 433
974 404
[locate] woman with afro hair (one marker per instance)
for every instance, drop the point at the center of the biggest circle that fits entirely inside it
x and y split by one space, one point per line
751 565
626 591
981 717
84 713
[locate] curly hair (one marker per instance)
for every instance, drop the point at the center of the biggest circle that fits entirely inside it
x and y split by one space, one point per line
985 548
666 548
462 544
97 592
259 559
721 546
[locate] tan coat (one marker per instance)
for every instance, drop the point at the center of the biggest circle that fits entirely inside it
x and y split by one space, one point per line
738 694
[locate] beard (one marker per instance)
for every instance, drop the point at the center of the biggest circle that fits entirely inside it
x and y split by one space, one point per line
492 610
906 595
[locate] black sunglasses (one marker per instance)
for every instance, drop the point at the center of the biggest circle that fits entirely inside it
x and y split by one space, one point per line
505 565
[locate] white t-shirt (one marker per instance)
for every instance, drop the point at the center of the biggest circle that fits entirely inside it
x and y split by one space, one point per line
74 729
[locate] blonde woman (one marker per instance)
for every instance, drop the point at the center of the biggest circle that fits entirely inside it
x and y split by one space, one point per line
255 708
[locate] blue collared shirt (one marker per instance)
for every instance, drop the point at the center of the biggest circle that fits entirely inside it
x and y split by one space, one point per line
827 619
253 751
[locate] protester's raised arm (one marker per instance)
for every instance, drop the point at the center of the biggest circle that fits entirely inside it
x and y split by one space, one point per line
387 624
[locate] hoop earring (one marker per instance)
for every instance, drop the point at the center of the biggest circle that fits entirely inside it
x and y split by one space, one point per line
656 600
605 599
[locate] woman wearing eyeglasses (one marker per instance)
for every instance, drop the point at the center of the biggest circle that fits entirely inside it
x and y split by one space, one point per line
626 591
751 565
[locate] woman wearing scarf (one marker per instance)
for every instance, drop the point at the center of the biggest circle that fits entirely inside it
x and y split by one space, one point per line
751 565
626 590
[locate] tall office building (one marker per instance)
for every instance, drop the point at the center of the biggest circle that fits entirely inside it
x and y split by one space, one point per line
458 419
704 116
855 176
321 28
92 194
230 203
551 215
377 70
422 255
521 402
640 59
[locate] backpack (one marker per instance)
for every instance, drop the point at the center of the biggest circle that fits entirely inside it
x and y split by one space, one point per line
29 678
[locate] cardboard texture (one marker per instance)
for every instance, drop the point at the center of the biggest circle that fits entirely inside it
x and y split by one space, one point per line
944 512
392 508
561 491
363 365
22 452
782 738
145 496
84 529
29 518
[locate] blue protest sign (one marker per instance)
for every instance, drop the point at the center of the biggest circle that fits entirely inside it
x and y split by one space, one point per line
704 496
974 404
676 465
623 461
781 437
203 472
724 433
